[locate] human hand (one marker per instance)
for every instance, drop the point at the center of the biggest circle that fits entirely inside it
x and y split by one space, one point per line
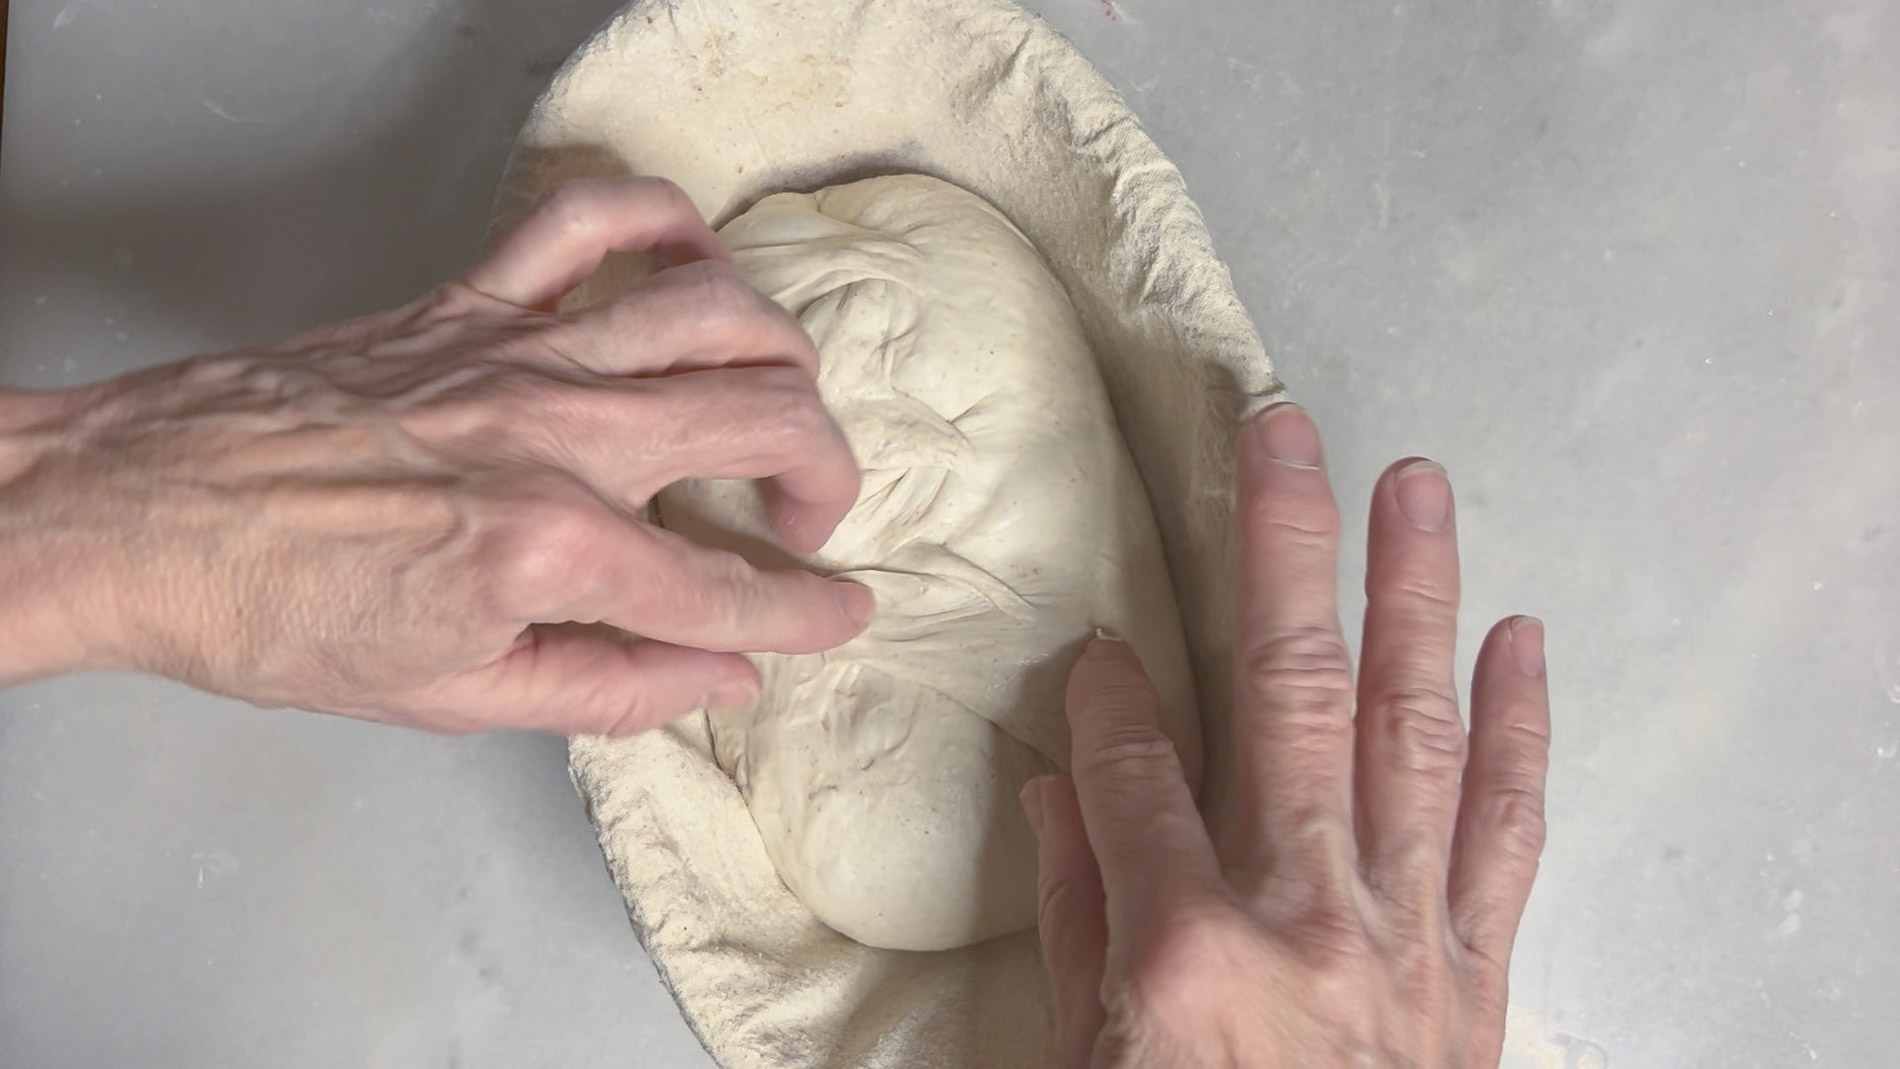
373 518
1357 902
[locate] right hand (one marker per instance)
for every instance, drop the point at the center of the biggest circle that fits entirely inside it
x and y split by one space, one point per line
372 519
1357 903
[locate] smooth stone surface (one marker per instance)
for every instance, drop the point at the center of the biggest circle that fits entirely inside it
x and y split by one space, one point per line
1626 267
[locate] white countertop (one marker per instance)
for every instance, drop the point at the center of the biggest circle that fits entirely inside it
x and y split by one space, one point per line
1628 267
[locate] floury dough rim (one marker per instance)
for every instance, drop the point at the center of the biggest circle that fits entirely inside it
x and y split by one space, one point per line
737 99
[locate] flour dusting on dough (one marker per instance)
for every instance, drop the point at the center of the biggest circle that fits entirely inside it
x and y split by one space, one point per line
1001 522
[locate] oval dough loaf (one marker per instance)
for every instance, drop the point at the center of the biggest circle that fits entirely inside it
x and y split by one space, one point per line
1001 522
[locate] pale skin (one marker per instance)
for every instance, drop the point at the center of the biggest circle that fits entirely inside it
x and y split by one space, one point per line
410 518
1356 901
383 518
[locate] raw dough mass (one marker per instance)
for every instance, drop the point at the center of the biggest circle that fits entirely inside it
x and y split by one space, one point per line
1001 522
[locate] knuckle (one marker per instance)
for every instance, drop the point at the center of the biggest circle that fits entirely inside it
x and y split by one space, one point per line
1336 957
1422 726
718 283
572 204
1305 675
1303 659
1135 694
563 211
663 189
794 416
544 558
725 303
483 406
1514 816
1188 964
1528 736
1128 751
1425 597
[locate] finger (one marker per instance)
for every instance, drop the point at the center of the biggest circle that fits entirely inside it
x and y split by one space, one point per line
563 241
1411 740
1143 827
1500 832
734 423
693 317
572 681
662 586
1291 801
1070 918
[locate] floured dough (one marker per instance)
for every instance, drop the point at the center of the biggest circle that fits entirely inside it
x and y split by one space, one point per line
1000 523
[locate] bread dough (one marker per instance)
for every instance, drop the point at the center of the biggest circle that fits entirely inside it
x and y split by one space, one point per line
1001 522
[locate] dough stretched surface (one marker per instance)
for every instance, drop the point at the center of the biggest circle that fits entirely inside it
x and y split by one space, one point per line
1001 522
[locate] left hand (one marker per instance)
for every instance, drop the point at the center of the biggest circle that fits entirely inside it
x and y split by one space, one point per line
396 518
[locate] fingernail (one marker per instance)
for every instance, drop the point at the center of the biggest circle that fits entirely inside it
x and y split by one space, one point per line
857 601
731 697
1425 495
1527 645
1105 644
1031 799
1286 433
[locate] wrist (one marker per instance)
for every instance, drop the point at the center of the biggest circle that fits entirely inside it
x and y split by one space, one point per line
53 578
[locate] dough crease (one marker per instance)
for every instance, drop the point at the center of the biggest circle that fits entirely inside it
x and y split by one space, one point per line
1001 522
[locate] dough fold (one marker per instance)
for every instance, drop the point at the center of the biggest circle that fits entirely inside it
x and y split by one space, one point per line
1001 522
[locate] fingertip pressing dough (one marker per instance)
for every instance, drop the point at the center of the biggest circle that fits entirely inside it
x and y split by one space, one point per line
1001 522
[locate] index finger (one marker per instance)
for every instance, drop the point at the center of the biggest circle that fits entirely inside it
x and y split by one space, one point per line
1143 826
1293 676
564 240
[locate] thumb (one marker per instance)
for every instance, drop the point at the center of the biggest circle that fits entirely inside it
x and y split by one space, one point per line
575 680
1070 916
